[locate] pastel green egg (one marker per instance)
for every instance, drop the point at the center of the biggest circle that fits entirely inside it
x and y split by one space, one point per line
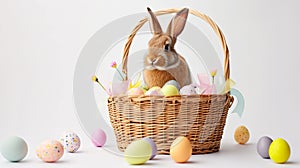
169 90
138 152
14 149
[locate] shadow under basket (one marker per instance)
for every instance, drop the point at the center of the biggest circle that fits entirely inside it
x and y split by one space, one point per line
201 118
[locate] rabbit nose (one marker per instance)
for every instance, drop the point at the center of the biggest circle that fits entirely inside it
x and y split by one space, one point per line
152 61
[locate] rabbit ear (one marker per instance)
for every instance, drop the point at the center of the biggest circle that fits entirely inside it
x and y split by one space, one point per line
177 23
154 24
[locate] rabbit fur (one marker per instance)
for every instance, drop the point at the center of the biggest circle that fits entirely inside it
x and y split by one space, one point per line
162 62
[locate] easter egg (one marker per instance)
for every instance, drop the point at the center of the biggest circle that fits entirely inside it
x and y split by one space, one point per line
155 91
14 149
50 151
169 90
70 141
263 145
241 135
181 150
99 138
188 90
174 83
279 151
138 152
153 146
135 92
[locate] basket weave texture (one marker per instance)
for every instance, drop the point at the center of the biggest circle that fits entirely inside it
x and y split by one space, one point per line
201 118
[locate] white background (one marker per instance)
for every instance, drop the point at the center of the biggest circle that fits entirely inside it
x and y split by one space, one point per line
40 42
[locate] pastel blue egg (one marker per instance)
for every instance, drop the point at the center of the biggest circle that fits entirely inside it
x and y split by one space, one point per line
174 83
14 149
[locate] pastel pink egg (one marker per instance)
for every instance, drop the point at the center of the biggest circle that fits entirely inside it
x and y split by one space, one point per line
135 92
50 151
99 138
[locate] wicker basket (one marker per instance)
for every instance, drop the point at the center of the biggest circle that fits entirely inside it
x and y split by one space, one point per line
201 118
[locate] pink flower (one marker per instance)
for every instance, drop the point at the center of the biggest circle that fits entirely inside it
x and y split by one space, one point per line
113 64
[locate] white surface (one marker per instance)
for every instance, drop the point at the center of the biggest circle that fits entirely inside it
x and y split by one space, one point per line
40 42
231 155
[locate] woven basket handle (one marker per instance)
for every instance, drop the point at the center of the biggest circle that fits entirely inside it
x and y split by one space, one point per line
168 11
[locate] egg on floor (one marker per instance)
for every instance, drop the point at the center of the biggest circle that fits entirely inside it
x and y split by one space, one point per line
138 152
181 150
14 149
241 135
263 145
279 151
153 146
70 141
50 151
98 137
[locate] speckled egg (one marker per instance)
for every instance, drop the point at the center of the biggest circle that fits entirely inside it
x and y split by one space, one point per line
155 91
174 83
263 145
153 146
50 151
188 90
70 141
241 135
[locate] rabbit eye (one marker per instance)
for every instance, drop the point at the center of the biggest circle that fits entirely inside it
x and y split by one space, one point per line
167 47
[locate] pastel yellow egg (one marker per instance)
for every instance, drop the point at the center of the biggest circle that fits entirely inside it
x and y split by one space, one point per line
181 150
279 151
241 135
138 152
169 90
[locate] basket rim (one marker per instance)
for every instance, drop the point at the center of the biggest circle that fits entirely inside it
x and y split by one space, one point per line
173 96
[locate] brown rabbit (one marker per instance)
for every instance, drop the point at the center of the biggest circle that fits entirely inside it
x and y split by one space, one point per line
162 63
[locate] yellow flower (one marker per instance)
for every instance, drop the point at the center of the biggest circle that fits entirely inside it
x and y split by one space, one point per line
94 78
135 85
229 83
136 82
213 73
